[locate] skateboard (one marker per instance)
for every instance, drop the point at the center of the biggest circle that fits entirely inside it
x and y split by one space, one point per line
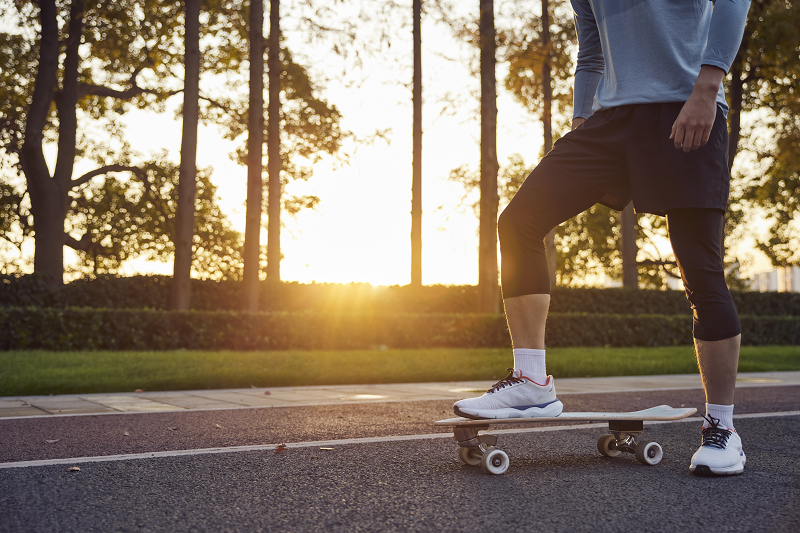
623 434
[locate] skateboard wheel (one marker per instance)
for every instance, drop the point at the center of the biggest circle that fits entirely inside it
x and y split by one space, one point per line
649 453
470 456
607 445
494 461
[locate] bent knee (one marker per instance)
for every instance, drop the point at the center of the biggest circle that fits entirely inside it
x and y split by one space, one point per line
520 222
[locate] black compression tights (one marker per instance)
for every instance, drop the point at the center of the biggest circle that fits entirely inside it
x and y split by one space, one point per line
695 234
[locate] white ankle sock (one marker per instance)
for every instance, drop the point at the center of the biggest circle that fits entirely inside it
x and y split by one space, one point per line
531 363
723 412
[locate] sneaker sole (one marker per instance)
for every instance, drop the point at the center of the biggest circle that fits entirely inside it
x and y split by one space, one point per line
707 471
550 410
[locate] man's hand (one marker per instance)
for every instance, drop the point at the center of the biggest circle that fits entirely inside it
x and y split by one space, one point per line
577 122
692 128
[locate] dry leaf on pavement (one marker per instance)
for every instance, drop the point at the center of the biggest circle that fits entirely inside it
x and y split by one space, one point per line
126 434
51 441
220 427
172 429
280 448
74 469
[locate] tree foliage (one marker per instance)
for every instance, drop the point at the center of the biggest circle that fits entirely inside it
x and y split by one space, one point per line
136 218
525 55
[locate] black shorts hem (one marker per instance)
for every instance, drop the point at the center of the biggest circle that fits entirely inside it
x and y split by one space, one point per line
719 336
527 292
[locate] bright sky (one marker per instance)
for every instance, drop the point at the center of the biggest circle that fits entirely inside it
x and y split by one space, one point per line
361 230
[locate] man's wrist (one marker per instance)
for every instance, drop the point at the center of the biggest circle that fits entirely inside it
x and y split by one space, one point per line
708 80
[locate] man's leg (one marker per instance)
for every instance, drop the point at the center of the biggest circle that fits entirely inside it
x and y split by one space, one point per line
718 362
546 199
696 235
526 317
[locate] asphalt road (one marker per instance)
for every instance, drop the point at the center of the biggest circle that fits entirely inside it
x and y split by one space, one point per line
557 481
82 436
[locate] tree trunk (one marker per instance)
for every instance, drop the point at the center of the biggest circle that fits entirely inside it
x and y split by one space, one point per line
187 184
735 111
547 126
255 163
488 289
274 146
49 206
630 272
416 173
49 197
736 95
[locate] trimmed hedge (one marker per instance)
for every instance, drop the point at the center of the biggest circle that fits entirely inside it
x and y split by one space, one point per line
152 292
111 329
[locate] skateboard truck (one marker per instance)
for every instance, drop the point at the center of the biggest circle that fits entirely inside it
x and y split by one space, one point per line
625 433
475 449
468 437
623 436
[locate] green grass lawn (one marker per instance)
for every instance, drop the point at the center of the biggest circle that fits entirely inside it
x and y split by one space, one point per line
39 372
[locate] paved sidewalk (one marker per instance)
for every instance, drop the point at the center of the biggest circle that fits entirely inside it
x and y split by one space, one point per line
148 402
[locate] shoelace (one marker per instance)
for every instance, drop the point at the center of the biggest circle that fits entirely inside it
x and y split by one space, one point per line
714 435
506 381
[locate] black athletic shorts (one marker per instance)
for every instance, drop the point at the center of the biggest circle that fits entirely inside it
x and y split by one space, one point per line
626 153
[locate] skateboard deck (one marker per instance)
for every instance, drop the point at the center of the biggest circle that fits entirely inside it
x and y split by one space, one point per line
623 434
662 412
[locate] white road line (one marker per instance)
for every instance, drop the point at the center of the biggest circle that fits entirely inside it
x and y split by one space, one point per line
331 443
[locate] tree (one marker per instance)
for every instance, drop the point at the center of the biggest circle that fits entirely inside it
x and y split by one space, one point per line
628 248
120 47
274 145
255 154
488 289
547 126
764 76
416 172
184 218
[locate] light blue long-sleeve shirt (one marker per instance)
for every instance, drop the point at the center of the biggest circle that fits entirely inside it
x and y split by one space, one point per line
651 51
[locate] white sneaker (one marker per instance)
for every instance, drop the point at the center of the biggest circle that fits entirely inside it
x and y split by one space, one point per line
721 452
514 396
